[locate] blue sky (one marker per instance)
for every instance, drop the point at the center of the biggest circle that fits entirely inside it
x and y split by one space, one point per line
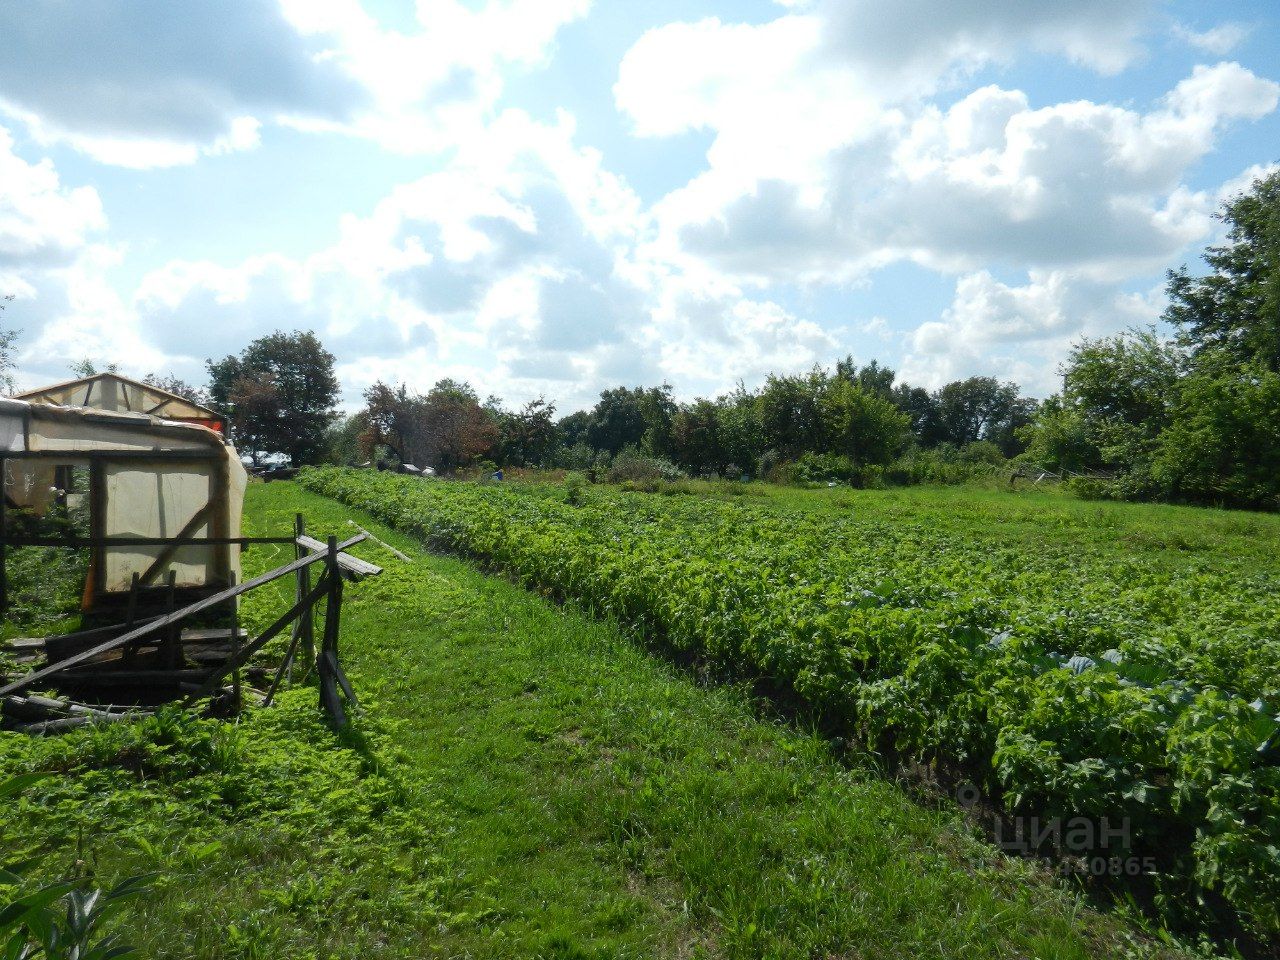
556 196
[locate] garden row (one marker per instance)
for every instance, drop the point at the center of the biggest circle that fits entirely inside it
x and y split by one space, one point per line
1072 684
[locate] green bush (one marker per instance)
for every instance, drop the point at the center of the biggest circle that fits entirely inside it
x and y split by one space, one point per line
641 470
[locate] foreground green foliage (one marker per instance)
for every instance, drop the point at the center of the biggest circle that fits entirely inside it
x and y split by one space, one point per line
324 830
525 782
1073 682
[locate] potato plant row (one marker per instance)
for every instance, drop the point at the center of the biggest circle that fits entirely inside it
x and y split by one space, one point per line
1072 684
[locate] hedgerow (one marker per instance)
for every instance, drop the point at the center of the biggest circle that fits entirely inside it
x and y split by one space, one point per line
1071 685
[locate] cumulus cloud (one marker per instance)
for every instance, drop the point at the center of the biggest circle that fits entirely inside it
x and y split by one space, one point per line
508 266
991 179
151 83
42 222
54 262
918 42
1019 332
1219 40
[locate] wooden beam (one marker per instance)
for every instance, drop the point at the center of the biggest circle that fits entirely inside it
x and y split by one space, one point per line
242 656
350 564
161 622
81 543
188 529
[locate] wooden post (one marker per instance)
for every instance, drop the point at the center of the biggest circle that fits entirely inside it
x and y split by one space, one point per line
235 643
330 701
172 656
4 539
131 651
305 627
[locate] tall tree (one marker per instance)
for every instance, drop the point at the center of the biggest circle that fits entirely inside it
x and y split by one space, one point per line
791 412
1235 307
860 424
617 420
528 437
454 430
873 378
979 408
300 371
695 438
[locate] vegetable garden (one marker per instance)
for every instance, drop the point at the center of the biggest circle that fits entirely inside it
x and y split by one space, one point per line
1068 681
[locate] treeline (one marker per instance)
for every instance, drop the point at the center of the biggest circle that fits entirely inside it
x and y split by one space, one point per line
848 424
1193 418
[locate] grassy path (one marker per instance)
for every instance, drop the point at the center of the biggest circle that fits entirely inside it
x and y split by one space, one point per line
608 806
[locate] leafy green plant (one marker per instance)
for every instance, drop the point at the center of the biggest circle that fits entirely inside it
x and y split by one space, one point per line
62 920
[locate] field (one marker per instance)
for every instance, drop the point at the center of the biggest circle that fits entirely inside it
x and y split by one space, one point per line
1115 664
525 782
528 780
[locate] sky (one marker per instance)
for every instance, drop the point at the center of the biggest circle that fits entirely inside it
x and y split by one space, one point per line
553 197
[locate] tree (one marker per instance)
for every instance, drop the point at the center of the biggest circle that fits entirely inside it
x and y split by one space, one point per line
300 372
862 425
695 438
1235 308
617 420
88 368
1222 444
873 378
741 432
345 439
7 339
390 417
1125 387
454 430
575 428
529 437
791 413
171 384
259 412
1060 438
633 417
979 408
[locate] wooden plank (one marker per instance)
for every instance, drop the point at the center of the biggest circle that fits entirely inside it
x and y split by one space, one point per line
80 543
240 658
160 623
130 677
173 546
214 635
353 565
26 643
59 648
382 543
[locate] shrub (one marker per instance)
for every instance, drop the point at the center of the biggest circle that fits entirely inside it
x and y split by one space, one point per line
630 465
575 485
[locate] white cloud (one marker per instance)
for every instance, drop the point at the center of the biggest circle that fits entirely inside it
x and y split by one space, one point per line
42 222
919 42
991 179
150 83
1020 332
1219 40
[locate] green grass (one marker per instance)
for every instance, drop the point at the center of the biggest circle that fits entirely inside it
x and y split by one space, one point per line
526 782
